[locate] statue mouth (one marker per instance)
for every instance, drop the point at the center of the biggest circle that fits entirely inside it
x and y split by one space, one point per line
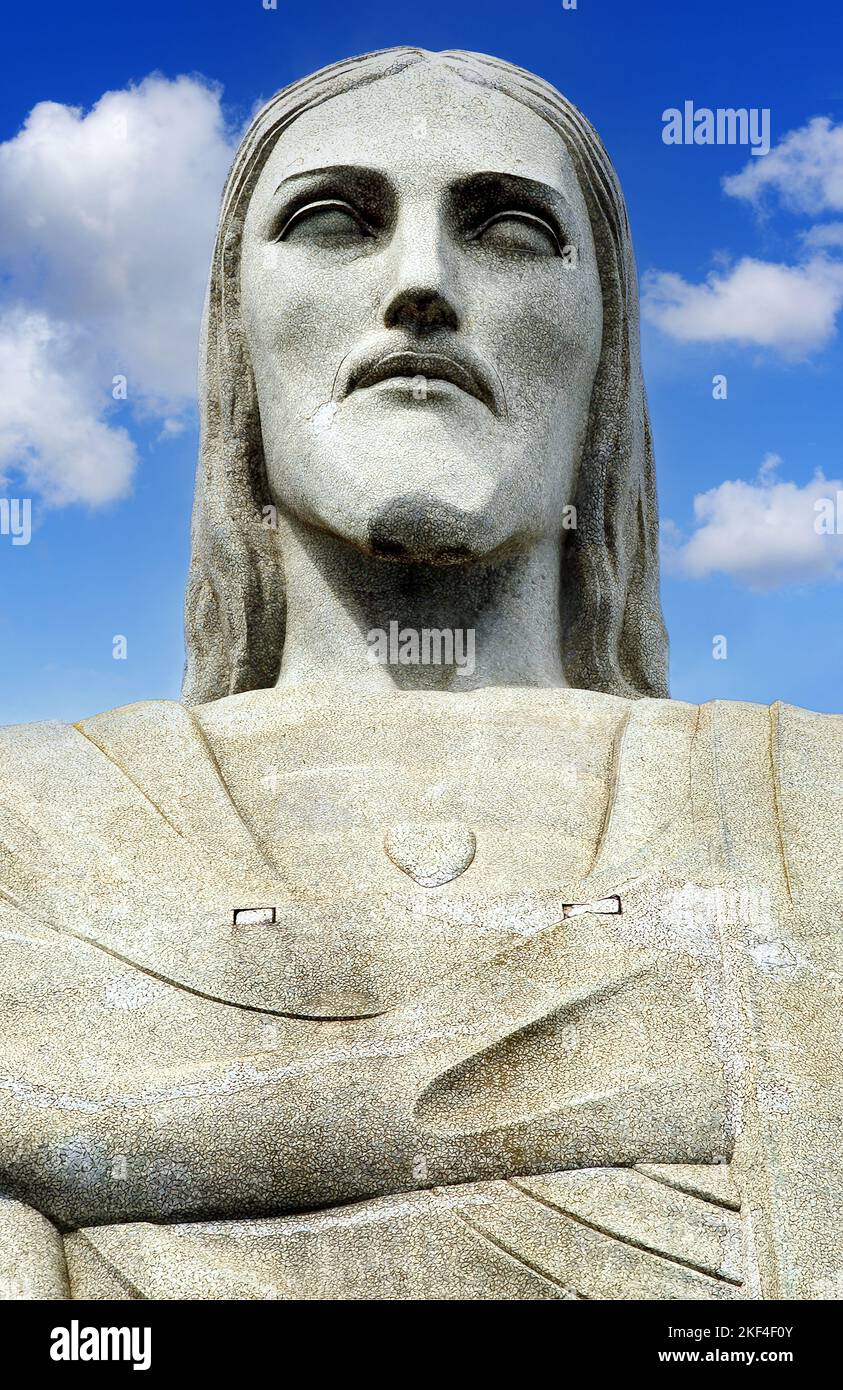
417 369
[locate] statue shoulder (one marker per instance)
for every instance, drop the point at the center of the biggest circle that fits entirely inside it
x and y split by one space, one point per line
53 734
802 749
806 751
111 801
775 777
50 761
70 790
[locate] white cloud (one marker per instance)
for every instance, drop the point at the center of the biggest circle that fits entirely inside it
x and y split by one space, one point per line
51 431
106 225
790 308
764 534
805 170
824 234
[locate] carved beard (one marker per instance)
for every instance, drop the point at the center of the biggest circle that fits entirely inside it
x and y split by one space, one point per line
420 530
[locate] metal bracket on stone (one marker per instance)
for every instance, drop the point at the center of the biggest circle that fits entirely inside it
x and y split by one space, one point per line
603 905
253 916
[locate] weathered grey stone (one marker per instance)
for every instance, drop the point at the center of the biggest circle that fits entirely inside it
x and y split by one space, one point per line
344 980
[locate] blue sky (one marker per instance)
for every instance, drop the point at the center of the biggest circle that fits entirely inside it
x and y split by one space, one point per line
103 251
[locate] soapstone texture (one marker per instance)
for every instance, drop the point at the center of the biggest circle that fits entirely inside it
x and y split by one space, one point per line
337 987
678 1060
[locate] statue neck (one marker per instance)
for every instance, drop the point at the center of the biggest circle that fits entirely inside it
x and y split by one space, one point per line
364 624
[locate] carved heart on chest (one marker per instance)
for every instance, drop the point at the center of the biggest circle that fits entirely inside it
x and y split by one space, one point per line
431 853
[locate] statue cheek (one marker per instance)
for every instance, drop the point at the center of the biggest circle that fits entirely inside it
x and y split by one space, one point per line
547 362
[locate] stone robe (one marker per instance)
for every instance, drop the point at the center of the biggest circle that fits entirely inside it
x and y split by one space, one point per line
504 995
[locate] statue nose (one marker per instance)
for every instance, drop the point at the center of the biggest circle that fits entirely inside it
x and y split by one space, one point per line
423 294
421 311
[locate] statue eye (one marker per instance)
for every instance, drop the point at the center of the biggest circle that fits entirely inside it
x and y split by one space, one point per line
518 232
329 221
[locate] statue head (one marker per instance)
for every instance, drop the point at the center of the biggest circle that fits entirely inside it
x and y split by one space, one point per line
421 336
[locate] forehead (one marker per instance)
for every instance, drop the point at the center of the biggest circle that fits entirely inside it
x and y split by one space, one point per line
425 125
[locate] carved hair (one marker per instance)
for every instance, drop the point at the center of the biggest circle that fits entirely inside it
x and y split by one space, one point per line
613 632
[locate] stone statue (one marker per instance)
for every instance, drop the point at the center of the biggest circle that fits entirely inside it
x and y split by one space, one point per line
369 971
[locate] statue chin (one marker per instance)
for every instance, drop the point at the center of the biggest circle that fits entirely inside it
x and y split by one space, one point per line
418 529
467 499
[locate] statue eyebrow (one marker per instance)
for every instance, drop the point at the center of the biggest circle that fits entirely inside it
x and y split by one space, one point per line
486 186
351 174
482 184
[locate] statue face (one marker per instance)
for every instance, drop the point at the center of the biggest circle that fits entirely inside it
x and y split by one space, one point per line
423 314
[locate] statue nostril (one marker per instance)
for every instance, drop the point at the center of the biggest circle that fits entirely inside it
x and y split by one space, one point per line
421 309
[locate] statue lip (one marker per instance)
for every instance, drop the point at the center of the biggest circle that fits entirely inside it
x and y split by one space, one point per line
460 371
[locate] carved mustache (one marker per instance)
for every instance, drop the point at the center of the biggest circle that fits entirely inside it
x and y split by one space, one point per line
463 369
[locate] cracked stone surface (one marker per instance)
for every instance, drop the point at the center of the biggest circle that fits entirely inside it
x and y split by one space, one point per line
333 982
